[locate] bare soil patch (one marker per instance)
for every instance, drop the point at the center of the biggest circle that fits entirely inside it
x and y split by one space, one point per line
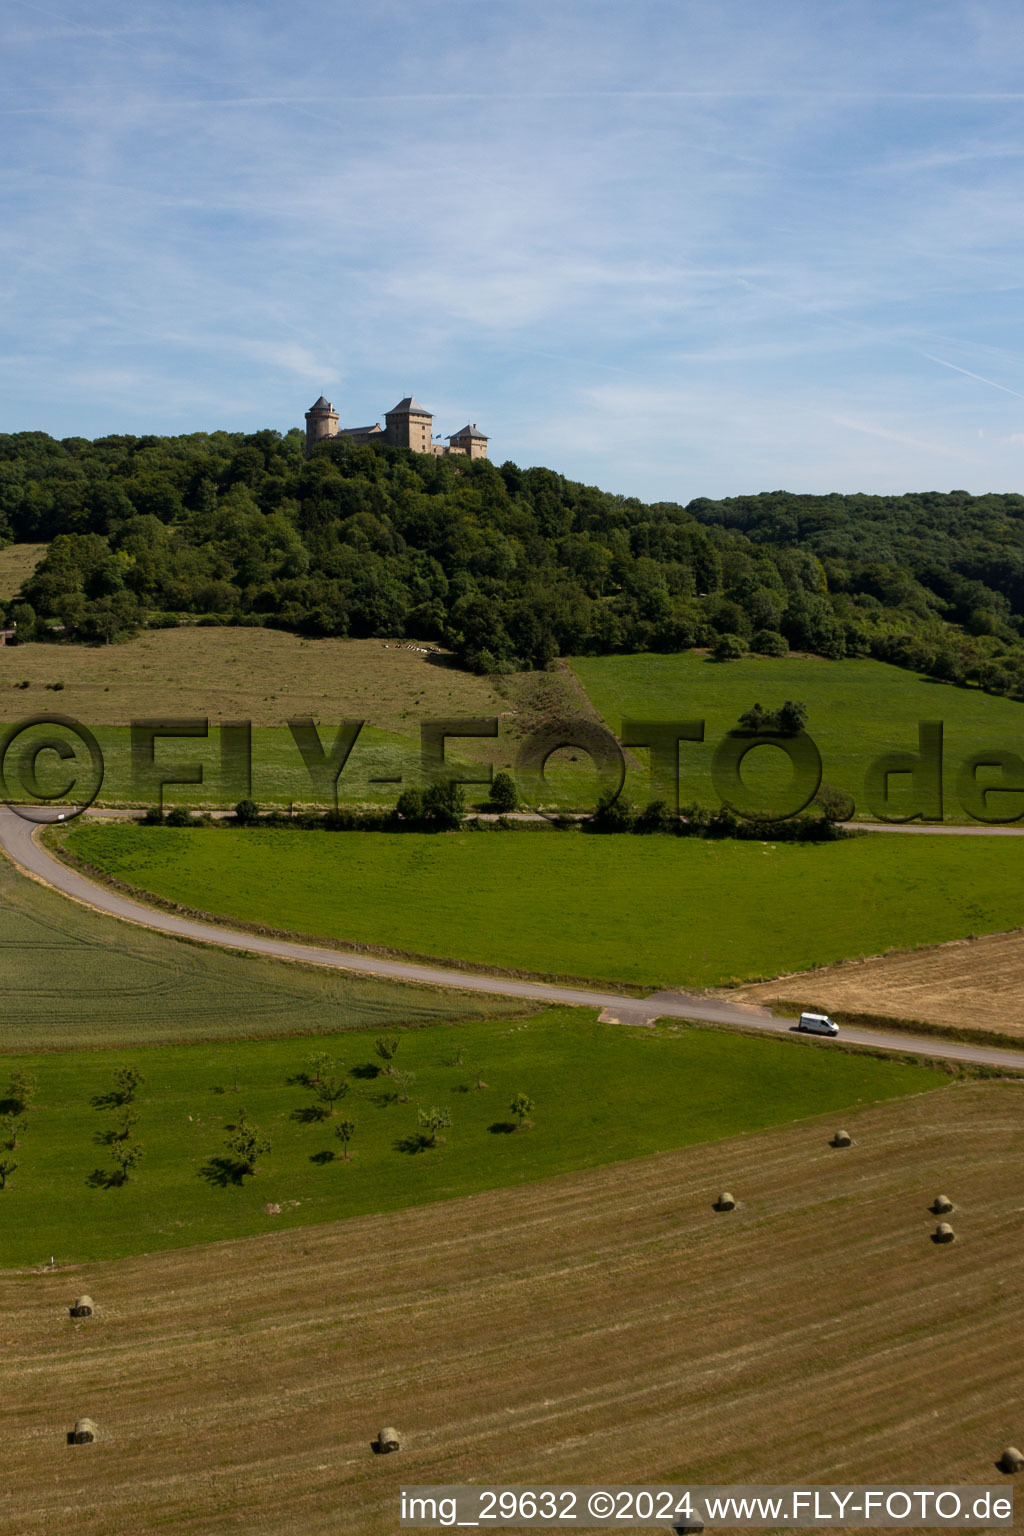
601 1325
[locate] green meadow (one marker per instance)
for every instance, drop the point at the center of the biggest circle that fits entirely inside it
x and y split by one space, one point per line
858 711
643 911
601 1093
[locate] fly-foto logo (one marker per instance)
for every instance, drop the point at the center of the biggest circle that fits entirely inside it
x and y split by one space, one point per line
49 760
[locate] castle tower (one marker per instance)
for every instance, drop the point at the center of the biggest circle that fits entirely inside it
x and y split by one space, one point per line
321 422
470 441
409 425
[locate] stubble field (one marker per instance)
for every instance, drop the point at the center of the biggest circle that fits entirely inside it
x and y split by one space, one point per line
606 1325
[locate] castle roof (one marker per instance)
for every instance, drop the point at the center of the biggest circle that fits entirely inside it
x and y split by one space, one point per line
409 407
469 431
350 431
321 405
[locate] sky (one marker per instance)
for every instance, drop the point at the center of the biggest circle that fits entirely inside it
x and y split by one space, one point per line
673 248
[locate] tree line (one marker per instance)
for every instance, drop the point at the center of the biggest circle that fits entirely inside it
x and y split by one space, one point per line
509 567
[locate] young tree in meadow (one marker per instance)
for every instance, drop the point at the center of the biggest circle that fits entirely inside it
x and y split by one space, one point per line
386 1047
403 1081
433 1121
331 1086
127 1081
317 1063
7 1167
127 1155
12 1128
247 1144
21 1091
345 1130
521 1106
128 1117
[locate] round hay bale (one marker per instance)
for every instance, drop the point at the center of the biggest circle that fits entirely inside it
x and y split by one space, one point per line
1011 1460
943 1233
725 1202
388 1441
941 1204
84 1432
841 1139
82 1307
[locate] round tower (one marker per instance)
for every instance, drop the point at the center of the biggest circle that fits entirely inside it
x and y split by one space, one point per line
321 422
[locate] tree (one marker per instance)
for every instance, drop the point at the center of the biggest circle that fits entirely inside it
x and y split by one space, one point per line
247 813
21 1091
7 1167
345 1130
11 1129
386 1047
792 718
444 804
403 1081
127 1155
521 1106
410 805
127 1081
331 1086
834 804
126 1120
246 1143
504 795
318 1062
434 1120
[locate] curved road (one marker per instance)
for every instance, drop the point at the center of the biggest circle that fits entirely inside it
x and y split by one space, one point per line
19 843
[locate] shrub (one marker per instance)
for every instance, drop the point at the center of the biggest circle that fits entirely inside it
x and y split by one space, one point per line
504 795
768 642
247 813
728 648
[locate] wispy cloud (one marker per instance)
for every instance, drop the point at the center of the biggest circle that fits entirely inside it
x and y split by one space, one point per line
799 226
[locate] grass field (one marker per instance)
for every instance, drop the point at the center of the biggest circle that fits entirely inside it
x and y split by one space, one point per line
606 1324
858 711
654 911
602 1093
72 978
17 562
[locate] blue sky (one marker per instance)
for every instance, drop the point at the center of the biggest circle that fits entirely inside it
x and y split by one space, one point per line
700 247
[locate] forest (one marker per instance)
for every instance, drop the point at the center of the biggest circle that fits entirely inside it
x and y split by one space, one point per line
509 567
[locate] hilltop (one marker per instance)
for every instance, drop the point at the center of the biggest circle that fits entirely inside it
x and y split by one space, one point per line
508 567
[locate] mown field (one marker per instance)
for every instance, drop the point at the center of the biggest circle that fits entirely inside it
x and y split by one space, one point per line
73 978
658 911
17 562
602 1093
970 984
268 677
858 711
602 1325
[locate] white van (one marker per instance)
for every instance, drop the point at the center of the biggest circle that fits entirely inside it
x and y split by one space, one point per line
817 1024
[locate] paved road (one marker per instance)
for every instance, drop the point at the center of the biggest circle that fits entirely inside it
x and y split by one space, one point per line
18 842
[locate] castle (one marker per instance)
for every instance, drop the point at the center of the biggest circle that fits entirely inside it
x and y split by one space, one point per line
409 425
